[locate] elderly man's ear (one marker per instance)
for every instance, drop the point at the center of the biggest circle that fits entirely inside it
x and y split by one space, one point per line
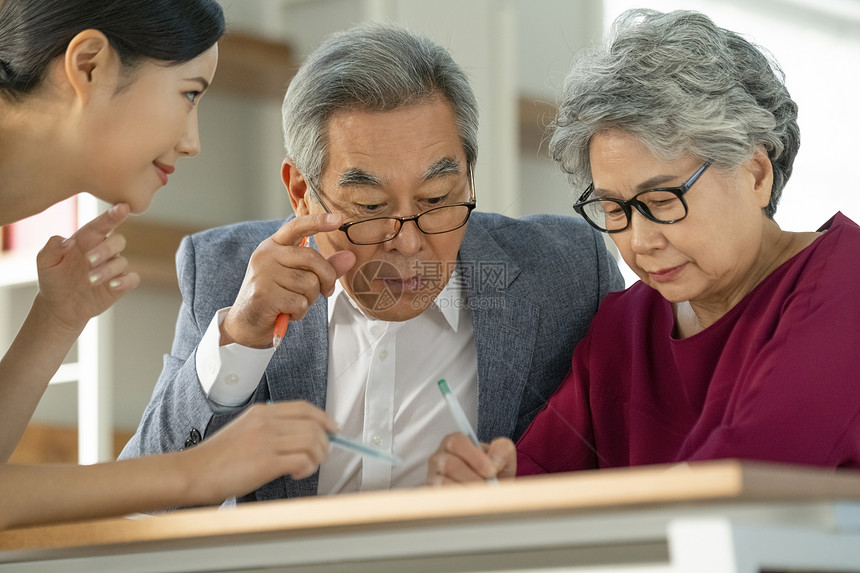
296 186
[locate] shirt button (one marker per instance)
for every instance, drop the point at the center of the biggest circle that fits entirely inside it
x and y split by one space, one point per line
375 441
383 355
232 378
211 368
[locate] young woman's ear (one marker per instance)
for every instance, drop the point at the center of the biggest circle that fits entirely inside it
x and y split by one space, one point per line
90 62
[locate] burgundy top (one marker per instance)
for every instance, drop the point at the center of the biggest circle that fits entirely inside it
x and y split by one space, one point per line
775 379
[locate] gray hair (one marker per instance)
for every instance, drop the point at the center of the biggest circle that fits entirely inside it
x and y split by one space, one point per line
680 85
371 67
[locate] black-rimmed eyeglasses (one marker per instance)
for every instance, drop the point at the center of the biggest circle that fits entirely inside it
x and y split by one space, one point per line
665 205
433 221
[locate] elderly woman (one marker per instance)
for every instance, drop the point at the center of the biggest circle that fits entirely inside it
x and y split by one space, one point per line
740 339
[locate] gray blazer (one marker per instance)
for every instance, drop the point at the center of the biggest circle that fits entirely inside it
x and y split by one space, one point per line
533 285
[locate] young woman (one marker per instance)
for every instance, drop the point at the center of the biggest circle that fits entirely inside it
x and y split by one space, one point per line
101 97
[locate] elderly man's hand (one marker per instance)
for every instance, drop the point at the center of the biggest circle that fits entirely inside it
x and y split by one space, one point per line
283 277
458 461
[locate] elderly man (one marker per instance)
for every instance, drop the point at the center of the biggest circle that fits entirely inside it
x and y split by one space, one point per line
399 285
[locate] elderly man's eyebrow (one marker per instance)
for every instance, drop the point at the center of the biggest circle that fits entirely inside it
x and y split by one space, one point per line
356 177
446 166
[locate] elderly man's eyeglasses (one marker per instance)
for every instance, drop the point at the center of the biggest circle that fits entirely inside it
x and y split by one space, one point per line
665 205
433 221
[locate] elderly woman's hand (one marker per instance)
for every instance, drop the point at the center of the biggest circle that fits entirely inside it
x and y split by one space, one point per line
458 461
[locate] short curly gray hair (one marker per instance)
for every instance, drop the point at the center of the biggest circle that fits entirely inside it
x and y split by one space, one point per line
371 67
681 85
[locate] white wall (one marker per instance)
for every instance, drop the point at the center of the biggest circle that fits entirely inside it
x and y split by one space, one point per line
817 44
508 48
236 176
142 335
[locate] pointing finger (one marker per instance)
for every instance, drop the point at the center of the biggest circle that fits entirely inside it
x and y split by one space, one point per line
105 223
294 230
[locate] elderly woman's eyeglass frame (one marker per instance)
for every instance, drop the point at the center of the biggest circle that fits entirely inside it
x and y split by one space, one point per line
399 221
583 203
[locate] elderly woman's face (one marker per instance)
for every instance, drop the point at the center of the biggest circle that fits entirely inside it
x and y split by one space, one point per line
712 255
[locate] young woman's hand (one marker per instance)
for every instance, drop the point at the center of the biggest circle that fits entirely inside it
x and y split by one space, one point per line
263 443
82 276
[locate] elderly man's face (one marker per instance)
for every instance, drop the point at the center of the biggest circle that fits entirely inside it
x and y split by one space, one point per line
393 163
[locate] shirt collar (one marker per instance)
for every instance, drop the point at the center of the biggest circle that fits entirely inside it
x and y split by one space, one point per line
451 301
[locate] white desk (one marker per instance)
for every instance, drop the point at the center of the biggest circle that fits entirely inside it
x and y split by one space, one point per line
715 517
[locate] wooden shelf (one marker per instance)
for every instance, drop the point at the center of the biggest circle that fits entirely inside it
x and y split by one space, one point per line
49 444
150 250
252 67
535 117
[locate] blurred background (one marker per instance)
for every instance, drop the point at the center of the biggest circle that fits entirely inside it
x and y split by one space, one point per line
516 52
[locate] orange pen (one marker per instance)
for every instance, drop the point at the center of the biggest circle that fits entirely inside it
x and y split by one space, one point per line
283 320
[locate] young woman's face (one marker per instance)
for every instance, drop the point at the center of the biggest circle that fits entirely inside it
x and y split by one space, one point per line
136 135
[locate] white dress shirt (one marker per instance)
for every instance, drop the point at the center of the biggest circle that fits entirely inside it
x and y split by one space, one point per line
381 384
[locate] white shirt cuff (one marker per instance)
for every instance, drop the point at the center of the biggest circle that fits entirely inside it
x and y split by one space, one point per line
229 374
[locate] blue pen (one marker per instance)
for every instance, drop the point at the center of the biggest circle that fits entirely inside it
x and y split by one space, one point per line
357 447
460 417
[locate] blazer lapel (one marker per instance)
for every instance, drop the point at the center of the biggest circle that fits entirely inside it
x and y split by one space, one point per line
300 365
299 371
505 331
299 368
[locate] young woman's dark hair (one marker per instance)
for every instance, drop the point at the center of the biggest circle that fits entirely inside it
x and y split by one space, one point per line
34 32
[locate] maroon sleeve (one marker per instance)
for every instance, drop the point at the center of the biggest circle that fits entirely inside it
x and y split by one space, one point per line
560 438
798 398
